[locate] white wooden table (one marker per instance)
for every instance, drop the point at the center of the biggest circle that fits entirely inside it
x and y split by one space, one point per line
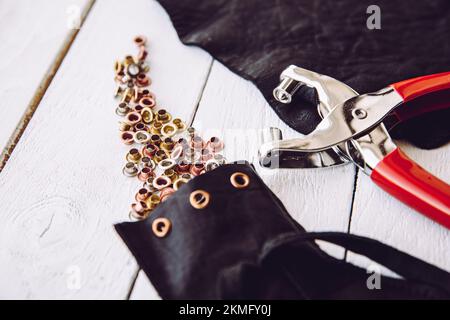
61 186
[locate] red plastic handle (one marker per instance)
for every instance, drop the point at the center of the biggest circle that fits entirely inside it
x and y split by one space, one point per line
414 186
413 88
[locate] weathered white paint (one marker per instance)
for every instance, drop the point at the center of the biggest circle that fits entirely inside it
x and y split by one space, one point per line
62 189
32 34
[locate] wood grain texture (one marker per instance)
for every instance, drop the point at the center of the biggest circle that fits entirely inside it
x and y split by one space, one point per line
62 189
377 215
34 37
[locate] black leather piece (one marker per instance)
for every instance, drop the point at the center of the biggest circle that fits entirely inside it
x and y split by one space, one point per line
258 39
245 245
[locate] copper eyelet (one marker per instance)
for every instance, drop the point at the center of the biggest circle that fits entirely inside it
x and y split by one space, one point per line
140 40
162 182
199 199
147 102
133 118
239 180
161 227
127 137
142 194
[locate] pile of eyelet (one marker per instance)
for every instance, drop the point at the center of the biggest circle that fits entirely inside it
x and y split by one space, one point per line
164 152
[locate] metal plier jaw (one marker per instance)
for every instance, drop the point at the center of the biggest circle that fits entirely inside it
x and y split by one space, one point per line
323 145
351 130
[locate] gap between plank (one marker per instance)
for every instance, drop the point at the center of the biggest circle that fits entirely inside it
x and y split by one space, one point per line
133 283
200 96
42 89
191 121
355 185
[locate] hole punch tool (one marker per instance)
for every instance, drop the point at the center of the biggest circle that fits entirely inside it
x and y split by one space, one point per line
352 130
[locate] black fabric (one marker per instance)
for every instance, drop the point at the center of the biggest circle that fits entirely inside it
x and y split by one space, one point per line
245 245
258 39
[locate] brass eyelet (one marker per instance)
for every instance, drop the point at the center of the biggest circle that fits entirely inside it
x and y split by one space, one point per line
199 199
239 180
161 227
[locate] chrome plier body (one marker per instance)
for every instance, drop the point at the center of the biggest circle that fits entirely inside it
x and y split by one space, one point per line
352 130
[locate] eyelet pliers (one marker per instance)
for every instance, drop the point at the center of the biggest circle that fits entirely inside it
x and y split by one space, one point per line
351 130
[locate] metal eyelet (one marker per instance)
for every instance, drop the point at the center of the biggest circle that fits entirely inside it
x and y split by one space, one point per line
155 128
133 156
160 155
133 70
179 124
168 130
211 165
161 227
139 210
197 143
122 109
167 145
166 193
152 201
147 115
141 137
145 173
118 67
140 40
142 194
127 137
140 127
215 145
167 164
163 116
183 167
130 169
177 152
199 199
197 169
179 182
186 176
161 182
148 102
128 60
239 180
171 174
133 118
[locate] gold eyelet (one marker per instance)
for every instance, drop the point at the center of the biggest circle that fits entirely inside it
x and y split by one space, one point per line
199 199
161 227
239 180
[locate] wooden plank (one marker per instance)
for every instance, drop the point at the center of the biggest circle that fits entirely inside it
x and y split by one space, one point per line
62 188
35 37
377 215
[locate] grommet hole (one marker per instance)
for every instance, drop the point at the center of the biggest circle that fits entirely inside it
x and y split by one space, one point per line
239 180
161 227
199 199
